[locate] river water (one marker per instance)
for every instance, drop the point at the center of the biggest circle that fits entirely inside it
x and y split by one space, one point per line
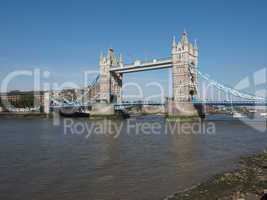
84 161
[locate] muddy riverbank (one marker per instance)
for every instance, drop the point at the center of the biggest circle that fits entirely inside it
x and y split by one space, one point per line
248 182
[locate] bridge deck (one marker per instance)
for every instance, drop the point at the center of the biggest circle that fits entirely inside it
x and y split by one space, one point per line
231 103
143 66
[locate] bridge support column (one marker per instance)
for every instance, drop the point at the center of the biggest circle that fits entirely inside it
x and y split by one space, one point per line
46 103
102 110
182 109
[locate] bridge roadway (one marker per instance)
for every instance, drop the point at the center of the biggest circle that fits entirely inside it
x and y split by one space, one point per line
143 66
231 103
152 103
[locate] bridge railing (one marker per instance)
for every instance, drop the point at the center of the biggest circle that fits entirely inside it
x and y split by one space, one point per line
140 62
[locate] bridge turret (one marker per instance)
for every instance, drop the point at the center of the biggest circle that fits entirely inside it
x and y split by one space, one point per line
174 45
196 52
121 60
185 42
195 45
102 59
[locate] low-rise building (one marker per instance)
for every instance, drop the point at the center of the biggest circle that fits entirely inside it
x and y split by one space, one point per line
17 97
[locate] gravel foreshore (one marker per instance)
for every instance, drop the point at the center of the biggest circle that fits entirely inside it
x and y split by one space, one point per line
247 183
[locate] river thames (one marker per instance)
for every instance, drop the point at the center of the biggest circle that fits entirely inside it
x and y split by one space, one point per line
41 161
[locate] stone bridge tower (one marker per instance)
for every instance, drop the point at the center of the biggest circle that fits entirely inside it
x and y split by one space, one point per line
184 78
185 61
110 83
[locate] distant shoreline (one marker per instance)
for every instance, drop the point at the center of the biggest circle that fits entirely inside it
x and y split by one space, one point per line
21 114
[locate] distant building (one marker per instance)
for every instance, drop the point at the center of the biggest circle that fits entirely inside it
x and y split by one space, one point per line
14 97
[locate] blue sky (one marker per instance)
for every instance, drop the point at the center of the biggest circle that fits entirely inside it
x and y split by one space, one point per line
66 37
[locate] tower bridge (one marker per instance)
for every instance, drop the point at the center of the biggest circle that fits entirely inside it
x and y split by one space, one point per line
183 62
107 88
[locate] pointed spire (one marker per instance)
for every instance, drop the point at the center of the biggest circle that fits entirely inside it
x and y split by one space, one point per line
184 39
185 33
101 58
101 55
121 58
110 52
173 42
195 44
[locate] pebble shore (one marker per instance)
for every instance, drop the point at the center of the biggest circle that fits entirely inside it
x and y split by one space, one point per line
247 183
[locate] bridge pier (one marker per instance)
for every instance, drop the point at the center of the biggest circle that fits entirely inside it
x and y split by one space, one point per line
101 110
106 110
46 103
181 109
